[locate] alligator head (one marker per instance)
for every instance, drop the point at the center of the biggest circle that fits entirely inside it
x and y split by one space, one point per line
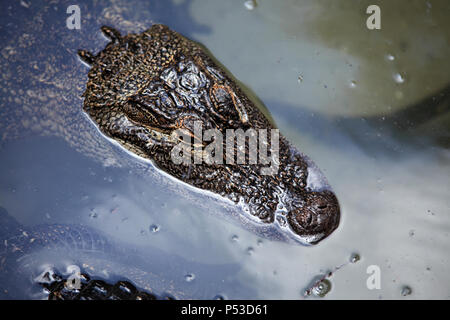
157 91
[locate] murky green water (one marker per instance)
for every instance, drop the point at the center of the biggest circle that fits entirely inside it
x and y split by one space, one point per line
370 107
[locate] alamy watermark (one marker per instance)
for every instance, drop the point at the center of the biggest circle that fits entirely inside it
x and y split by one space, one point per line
73 22
191 149
373 22
74 280
374 280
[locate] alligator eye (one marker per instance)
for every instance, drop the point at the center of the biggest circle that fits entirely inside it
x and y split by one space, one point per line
106 73
134 47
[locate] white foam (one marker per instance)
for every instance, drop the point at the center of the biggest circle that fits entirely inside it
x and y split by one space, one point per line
316 180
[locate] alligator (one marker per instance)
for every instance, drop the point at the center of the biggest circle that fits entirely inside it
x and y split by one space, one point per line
150 91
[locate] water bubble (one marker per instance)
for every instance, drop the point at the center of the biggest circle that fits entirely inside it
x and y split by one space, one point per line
406 291
219 297
398 78
411 232
93 214
154 228
352 84
322 288
250 251
250 4
390 57
355 257
234 238
189 277
25 4
259 242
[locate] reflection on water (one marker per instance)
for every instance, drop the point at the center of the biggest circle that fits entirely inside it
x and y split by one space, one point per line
120 207
371 108
322 57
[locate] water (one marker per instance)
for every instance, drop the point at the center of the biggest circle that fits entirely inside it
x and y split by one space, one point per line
364 105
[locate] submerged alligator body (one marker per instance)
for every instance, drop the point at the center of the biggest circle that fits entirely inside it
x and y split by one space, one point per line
46 254
31 258
144 88
63 288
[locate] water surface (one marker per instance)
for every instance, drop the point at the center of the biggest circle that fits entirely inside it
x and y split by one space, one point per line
369 107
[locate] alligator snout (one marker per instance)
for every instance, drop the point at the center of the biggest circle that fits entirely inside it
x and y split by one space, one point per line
315 217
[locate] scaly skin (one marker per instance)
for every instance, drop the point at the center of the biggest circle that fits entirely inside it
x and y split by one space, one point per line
143 87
